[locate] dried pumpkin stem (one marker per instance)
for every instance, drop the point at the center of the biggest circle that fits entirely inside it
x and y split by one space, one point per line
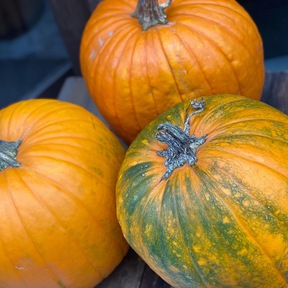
150 13
182 146
8 153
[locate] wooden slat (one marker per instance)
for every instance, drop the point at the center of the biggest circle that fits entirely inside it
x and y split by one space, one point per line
74 91
275 91
127 275
151 280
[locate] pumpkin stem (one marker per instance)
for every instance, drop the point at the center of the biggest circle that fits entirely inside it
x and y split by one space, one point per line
182 146
8 153
150 13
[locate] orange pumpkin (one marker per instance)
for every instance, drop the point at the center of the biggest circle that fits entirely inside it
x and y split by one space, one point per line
58 169
203 199
201 47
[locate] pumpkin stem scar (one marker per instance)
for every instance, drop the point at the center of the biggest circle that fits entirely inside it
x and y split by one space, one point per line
8 153
150 13
182 146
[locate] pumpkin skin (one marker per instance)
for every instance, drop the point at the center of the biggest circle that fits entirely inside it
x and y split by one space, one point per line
58 223
207 47
221 222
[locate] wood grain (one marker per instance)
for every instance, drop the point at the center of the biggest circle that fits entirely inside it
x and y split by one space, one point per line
275 92
127 275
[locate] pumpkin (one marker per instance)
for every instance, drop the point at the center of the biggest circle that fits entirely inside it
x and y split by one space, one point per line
58 172
202 194
206 47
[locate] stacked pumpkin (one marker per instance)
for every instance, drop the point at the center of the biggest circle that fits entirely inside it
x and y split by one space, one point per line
58 170
202 192
205 47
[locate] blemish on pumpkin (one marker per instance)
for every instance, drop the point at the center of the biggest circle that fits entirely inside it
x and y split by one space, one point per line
170 23
171 230
226 220
242 252
178 255
268 217
245 203
97 171
227 191
174 269
237 195
19 267
175 243
92 54
101 41
148 229
196 248
202 261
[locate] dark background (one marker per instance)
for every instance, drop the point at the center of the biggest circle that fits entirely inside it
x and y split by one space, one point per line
271 17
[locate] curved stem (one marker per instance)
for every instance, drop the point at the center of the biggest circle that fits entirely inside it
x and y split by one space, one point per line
182 146
8 153
150 13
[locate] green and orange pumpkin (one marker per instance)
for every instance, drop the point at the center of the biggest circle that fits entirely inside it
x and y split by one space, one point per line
202 194
135 71
58 171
